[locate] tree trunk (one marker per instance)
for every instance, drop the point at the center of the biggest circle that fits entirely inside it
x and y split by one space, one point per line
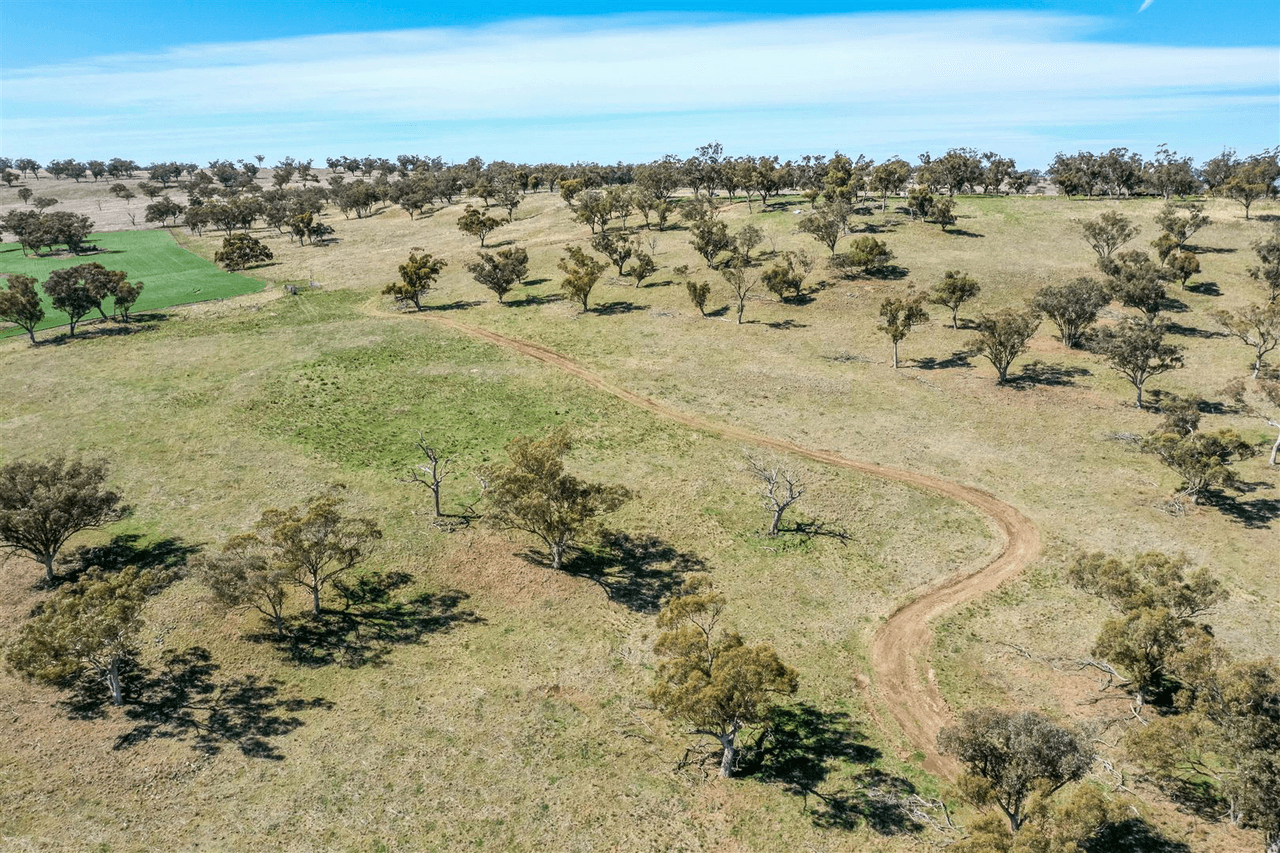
1275 448
729 760
557 554
954 315
113 679
895 355
435 494
315 597
1139 387
48 558
31 333
777 521
1273 842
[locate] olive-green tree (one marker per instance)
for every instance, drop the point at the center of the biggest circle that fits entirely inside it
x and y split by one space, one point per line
43 504
581 272
500 273
20 304
239 250
709 678
955 289
1109 232
478 224
1004 336
417 275
1257 326
1137 351
534 493
1073 307
900 315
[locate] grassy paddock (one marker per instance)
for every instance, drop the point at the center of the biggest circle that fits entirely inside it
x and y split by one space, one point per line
172 275
519 720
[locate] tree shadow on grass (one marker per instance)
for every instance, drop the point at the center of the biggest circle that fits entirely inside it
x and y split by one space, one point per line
1134 835
371 623
167 556
888 272
1042 373
456 305
1205 288
1256 513
620 306
636 572
1193 332
787 324
537 299
802 746
99 329
959 358
185 701
960 232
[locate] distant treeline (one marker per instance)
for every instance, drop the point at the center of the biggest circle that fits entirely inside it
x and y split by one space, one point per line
1115 173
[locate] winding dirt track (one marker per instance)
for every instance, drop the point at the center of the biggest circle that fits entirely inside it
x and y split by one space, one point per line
912 700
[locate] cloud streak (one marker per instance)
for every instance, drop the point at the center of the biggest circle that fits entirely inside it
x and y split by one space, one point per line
1007 67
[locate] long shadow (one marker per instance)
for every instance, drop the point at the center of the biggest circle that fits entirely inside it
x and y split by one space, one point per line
1042 373
168 556
959 358
186 701
1257 513
532 282
722 311
100 330
1134 835
456 305
960 232
801 747
1193 332
1211 250
637 572
888 272
538 299
608 309
371 623
1205 288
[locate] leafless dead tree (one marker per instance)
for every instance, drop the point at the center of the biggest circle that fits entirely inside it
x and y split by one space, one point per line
780 488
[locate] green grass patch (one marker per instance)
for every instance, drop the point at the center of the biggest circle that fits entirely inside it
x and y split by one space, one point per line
172 275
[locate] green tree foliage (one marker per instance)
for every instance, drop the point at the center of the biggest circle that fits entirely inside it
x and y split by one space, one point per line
1256 326
581 272
1158 601
1004 336
709 678
827 224
699 292
942 212
164 212
1267 273
782 279
43 504
87 628
500 273
241 575
616 248
1109 232
920 201
417 275
900 316
1011 756
865 255
240 250
1252 180
478 224
1179 227
642 267
312 544
1204 460
126 294
955 289
710 238
1182 266
534 493
1137 282
747 239
20 304
736 276
1137 351
1261 398
890 177
1083 819
75 291
1073 307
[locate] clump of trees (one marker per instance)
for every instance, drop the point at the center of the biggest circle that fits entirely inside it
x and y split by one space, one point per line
1072 307
20 304
500 272
709 678
308 546
581 273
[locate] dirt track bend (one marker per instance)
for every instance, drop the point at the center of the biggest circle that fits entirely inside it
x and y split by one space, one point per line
912 700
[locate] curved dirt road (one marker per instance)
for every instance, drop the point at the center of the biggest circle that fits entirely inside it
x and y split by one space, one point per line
913 700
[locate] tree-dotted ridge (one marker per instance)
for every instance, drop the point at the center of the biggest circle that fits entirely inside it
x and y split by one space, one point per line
914 702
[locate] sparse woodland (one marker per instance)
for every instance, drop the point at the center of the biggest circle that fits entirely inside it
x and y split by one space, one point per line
533 502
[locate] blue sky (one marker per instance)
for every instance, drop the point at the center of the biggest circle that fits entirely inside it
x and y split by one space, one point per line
562 81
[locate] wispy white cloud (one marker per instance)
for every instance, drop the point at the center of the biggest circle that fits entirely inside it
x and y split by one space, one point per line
1146 4
1007 68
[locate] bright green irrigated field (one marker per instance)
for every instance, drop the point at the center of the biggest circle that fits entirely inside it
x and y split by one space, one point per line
172 275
